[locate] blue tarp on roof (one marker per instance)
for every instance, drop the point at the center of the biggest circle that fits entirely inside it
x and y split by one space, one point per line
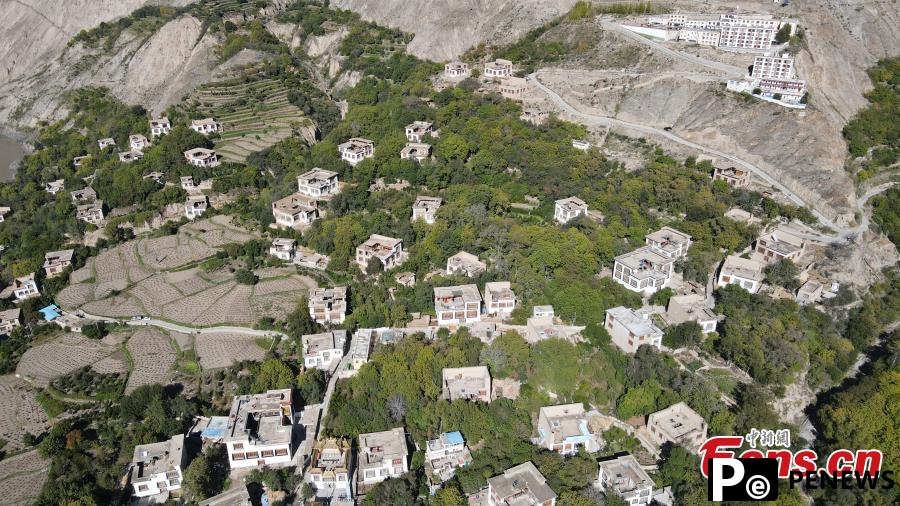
216 427
50 312
454 437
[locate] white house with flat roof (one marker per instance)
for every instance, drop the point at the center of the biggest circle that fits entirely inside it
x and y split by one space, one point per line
320 351
318 183
780 244
623 475
465 264
360 347
520 485
543 312
260 429
55 262
205 126
415 151
201 157
157 468
678 424
744 272
457 305
387 250
425 208
356 150
417 130
328 305
295 210
568 209
9 320
629 330
581 144
444 455
466 383
382 455
54 187
564 429
691 307
283 249
643 270
138 142
106 142
330 470
24 287
456 70
195 206
669 243
130 156
498 69
91 213
499 298
160 126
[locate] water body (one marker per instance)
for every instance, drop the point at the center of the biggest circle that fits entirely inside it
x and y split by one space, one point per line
10 154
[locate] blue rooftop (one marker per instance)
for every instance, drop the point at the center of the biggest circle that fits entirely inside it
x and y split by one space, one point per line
454 437
50 312
216 427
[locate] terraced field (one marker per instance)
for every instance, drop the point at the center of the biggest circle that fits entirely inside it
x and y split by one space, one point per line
254 115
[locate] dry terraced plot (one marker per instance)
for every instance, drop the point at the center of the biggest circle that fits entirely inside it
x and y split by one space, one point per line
217 350
63 354
19 412
151 350
22 477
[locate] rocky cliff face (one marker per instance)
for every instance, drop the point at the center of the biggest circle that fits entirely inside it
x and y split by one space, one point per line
445 28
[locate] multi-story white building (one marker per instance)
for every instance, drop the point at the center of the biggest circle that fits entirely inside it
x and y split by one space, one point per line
425 208
691 307
773 67
156 468
328 305
678 424
318 183
465 264
205 126
780 244
9 320
568 209
520 485
160 126
360 347
564 429
701 36
201 157
773 78
643 270
195 206
498 69
623 475
138 142
744 272
444 455
499 298
25 287
329 470
356 150
387 250
295 210
91 213
415 151
669 243
629 330
320 351
283 249
456 70
260 429
466 383
106 142
55 262
417 130
457 305
382 455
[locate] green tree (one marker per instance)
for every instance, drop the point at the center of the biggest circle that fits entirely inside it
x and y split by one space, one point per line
661 298
783 273
784 34
273 374
686 334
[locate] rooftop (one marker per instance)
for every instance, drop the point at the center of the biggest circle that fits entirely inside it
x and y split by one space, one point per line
58 257
642 261
283 244
155 458
419 126
445 440
678 420
380 245
263 417
783 241
571 204
430 204
203 122
565 420
467 261
633 322
328 295
499 290
199 153
10 314
376 447
415 149
668 239
450 298
356 144
624 474
295 203
467 379
733 172
314 344
520 485
743 268
316 176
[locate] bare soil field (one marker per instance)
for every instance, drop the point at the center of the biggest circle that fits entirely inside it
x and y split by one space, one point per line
61 355
19 413
222 350
153 355
22 477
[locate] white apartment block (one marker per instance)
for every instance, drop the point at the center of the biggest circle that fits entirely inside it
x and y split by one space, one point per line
624 476
260 429
382 455
568 209
457 305
283 249
106 142
425 208
499 298
466 383
295 210
744 272
356 150
520 485
629 330
91 213
456 70
25 287
9 320
318 183
195 206
701 36
328 305
498 69
643 270
321 351
780 244
138 142
564 429
752 38
201 157
691 307
678 424
513 88
387 250
156 468
416 151
669 243
773 67
55 262
205 126
465 264
329 470
444 454
417 130
736 178
160 126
